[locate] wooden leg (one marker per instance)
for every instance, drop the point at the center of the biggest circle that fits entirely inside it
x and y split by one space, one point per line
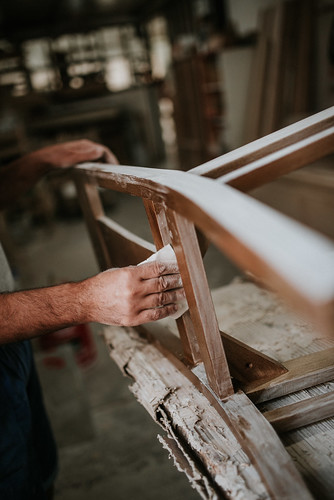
157 219
201 308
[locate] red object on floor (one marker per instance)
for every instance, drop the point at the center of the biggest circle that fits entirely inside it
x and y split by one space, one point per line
80 336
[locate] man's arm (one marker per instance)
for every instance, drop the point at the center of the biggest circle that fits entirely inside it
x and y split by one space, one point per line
128 296
20 175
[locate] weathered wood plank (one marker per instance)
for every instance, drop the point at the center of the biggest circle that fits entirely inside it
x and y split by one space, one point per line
265 448
215 436
302 413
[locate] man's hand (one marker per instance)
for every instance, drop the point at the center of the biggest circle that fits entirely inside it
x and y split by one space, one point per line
133 295
127 296
70 153
20 175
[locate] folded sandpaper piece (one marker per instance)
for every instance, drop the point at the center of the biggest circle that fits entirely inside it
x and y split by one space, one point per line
167 256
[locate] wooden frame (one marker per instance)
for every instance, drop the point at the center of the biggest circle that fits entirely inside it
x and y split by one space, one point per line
178 204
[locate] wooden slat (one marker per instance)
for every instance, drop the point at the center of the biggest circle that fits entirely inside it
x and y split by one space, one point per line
258 440
302 413
266 145
201 308
281 162
124 247
92 208
303 372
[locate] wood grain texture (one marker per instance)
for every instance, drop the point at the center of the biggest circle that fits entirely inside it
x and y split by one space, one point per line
247 364
306 371
239 355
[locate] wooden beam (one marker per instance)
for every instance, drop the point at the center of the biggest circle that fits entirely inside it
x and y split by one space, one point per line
302 413
208 431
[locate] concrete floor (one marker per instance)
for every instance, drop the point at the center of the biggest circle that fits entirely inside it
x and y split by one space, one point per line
108 445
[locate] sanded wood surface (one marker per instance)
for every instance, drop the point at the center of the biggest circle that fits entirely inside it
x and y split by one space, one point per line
93 209
281 162
247 364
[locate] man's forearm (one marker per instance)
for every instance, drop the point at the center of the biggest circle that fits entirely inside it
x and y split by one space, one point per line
126 296
27 314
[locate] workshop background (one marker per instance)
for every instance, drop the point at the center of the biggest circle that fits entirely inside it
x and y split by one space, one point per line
166 84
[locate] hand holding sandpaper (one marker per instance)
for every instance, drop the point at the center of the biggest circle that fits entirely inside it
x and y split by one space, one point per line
166 255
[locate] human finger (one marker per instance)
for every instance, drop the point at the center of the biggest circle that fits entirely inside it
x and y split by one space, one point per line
156 268
148 315
86 150
162 283
109 157
163 298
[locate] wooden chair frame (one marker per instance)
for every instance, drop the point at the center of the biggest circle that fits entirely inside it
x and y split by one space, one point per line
281 254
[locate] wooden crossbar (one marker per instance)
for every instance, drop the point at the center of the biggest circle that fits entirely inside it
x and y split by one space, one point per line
302 413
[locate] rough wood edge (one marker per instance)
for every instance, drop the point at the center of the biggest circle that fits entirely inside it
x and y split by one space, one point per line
140 359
